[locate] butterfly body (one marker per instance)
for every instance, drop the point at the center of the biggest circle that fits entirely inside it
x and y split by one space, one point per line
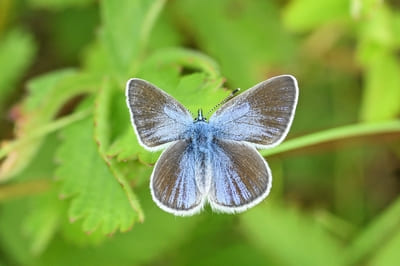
213 160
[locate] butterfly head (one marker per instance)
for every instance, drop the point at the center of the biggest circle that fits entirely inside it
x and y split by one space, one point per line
200 117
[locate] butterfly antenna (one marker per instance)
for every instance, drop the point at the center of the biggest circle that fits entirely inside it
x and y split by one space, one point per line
230 96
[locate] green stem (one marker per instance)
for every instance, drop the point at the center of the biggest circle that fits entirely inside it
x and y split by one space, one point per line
339 133
44 130
26 188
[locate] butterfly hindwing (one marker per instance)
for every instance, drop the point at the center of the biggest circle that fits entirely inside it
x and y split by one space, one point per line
156 117
240 177
173 182
261 115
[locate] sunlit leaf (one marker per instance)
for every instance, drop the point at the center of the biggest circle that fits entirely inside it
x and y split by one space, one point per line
102 133
96 196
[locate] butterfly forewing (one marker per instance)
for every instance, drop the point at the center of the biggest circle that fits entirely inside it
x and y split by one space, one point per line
173 182
240 177
262 115
156 116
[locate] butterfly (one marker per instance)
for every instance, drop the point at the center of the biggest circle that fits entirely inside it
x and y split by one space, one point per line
212 160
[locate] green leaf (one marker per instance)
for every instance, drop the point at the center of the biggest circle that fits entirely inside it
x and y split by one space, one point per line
97 197
102 131
303 15
378 42
17 50
382 93
127 147
289 236
161 235
47 95
180 57
245 37
196 91
127 24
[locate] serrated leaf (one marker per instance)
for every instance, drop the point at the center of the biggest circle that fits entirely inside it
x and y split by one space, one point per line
40 87
159 236
102 134
17 50
47 95
281 231
97 197
127 147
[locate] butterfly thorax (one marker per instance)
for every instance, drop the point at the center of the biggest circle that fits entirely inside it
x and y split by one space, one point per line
200 135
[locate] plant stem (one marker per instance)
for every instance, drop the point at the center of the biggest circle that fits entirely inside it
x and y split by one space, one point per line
26 188
49 128
339 133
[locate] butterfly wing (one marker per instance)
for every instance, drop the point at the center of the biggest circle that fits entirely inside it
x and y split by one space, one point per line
240 177
173 182
156 117
261 115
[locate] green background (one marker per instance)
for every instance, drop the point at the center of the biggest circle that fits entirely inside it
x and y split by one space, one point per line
74 182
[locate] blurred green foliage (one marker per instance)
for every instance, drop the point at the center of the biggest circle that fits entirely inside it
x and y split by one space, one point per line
74 180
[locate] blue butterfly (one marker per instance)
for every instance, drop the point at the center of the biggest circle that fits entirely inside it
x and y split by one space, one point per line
213 160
